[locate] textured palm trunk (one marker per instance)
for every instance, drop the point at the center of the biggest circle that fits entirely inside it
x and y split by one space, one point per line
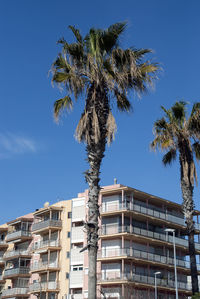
95 153
188 207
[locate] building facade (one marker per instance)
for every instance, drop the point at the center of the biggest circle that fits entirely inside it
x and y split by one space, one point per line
41 257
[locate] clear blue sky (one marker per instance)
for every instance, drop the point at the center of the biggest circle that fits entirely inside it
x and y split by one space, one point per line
39 160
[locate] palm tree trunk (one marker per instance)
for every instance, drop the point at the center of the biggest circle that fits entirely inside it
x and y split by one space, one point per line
95 153
188 208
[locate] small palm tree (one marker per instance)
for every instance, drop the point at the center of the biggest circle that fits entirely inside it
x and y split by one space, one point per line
175 132
98 70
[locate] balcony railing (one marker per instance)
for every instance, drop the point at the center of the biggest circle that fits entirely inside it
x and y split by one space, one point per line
139 254
46 223
44 265
112 207
14 253
18 234
1 258
77 234
76 279
116 276
43 286
15 271
76 296
1 277
46 243
115 229
14 292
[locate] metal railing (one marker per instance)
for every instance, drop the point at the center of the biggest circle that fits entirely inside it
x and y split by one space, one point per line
18 234
115 276
167 216
144 255
46 243
46 223
43 286
14 271
13 253
44 265
1 277
14 291
116 229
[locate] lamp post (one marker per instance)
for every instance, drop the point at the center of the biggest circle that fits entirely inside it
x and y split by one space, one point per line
171 230
156 293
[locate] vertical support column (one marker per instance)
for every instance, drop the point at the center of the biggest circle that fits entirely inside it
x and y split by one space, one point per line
123 251
122 221
122 199
50 214
122 290
122 269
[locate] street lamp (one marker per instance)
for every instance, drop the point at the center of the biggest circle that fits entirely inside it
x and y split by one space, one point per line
156 294
171 230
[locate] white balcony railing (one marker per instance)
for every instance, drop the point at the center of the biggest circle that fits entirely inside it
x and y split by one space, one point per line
15 271
14 253
77 234
117 206
1 277
3 242
77 257
46 243
116 276
43 286
116 229
44 265
139 254
76 279
14 292
46 223
18 234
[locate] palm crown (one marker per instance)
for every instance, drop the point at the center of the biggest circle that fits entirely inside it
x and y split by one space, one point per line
177 132
95 64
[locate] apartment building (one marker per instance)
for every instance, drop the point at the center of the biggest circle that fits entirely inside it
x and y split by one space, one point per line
133 246
17 258
41 257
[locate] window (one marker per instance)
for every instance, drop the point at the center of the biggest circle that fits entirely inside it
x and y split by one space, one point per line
68 235
67 275
69 214
77 268
68 254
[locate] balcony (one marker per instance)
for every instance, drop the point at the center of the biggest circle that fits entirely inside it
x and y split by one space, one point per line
20 234
77 257
15 292
1 278
76 296
143 255
46 224
44 266
76 279
22 271
44 286
135 278
2 258
77 234
115 229
46 244
16 253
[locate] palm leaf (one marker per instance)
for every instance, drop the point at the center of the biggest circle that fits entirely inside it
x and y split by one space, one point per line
169 157
61 105
76 33
196 148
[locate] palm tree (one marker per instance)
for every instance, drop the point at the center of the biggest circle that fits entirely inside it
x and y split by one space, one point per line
177 133
96 68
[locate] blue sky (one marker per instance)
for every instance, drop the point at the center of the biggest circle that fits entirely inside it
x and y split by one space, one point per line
41 161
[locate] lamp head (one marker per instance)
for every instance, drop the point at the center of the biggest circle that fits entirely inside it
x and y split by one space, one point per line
156 273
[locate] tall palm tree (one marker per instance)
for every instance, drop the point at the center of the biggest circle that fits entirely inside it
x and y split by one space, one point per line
178 133
97 69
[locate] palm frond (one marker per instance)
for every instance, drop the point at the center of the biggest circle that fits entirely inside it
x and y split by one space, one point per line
123 103
179 112
61 105
169 157
76 33
111 128
196 148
